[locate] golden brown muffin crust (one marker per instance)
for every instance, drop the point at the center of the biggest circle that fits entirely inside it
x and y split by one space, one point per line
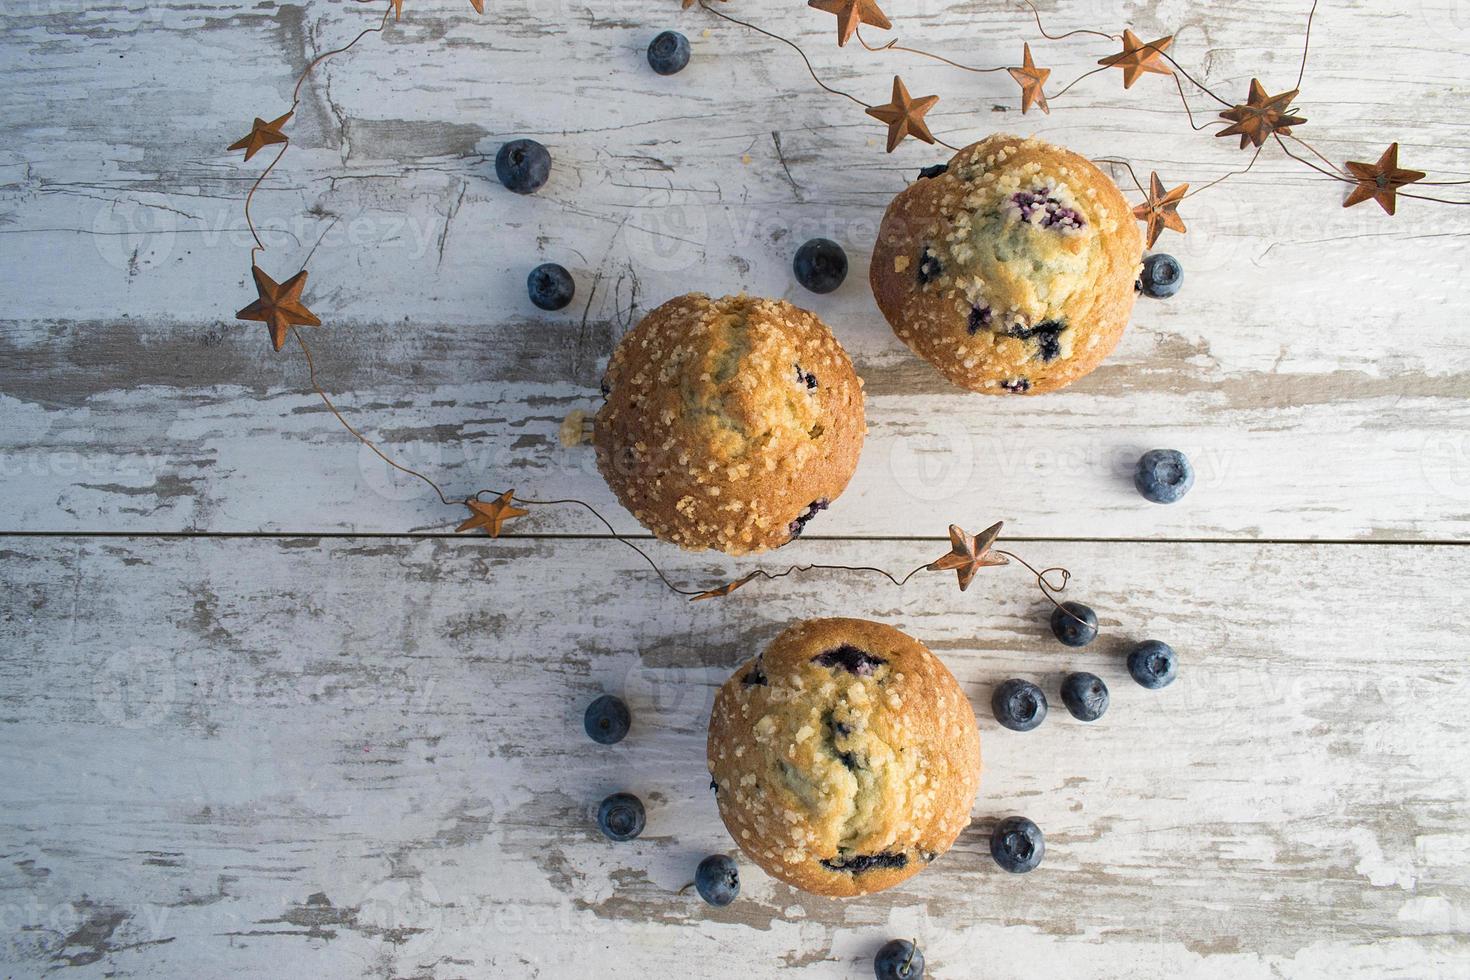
1011 272
729 423
845 757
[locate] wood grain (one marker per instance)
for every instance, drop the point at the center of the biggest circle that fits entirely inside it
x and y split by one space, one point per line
1313 365
243 756
351 746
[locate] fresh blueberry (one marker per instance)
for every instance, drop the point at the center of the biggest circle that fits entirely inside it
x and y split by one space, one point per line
1153 664
1163 475
669 53
820 265
938 170
523 166
898 959
1074 624
1085 695
717 880
621 816
1017 845
551 286
607 720
1019 705
1162 276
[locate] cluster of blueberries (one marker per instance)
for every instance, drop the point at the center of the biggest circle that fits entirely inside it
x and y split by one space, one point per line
621 816
1017 843
524 166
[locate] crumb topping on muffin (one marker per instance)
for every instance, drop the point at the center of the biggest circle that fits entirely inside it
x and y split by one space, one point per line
845 757
729 424
1013 269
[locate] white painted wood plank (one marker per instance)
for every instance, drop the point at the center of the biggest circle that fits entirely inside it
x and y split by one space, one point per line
1314 366
307 757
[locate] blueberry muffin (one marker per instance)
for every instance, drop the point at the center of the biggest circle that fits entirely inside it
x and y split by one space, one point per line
845 758
729 423
1011 269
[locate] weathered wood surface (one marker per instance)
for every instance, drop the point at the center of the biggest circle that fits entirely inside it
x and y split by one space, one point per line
1315 363
316 756
364 758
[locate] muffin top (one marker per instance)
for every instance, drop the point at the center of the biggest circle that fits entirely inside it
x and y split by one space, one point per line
728 424
1013 270
845 757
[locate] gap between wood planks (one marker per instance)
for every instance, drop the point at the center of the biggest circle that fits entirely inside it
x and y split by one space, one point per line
832 539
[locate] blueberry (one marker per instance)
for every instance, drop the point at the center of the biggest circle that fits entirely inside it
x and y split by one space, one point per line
1085 695
669 53
1017 386
717 880
621 816
898 959
938 170
980 319
607 720
523 166
930 268
1162 276
857 662
1163 475
1017 845
820 265
1019 705
1074 624
808 513
1153 664
856 864
551 286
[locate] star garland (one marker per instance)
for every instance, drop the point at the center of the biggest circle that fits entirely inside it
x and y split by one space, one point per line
1262 117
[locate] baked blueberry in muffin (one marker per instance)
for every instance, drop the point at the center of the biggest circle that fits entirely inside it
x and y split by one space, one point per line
847 757
1012 271
729 424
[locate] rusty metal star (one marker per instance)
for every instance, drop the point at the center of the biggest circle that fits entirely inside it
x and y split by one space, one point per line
850 14
492 516
1031 78
1161 210
1138 58
969 553
279 306
904 115
261 135
1260 116
1380 181
725 589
